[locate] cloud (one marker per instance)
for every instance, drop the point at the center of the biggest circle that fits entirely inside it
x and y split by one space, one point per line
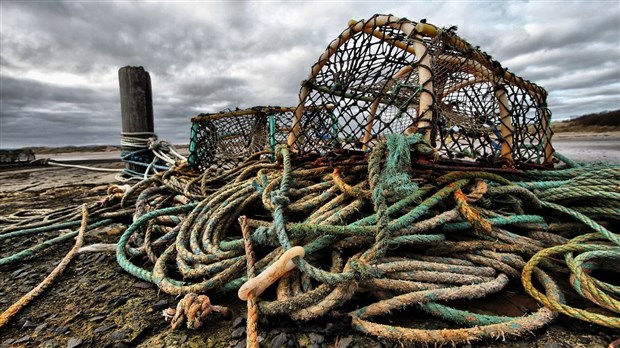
60 60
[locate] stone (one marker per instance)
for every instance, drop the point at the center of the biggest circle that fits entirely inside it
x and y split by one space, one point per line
17 274
237 321
97 318
551 343
142 285
27 325
160 305
183 339
23 339
61 330
51 343
241 344
74 342
118 335
238 332
38 329
345 342
119 301
104 328
100 287
279 341
316 339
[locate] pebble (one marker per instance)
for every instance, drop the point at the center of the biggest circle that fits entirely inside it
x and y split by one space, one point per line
238 332
551 343
160 305
98 299
27 325
120 301
51 343
345 342
237 322
22 339
17 273
40 328
118 335
183 339
97 318
316 339
61 330
100 287
74 342
241 344
279 341
585 340
104 328
42 315
142 285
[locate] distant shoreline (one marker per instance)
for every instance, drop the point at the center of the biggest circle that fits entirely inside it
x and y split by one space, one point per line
43 150
593 135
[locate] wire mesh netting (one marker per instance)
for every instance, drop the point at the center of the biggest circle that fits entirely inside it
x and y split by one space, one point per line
390 75
224 139
368 82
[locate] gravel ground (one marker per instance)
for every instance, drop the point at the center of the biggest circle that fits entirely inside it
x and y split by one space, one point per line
96 304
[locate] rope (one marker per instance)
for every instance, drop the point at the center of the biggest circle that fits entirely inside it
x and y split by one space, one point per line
16 307
143 149
252 319
377 228
193 310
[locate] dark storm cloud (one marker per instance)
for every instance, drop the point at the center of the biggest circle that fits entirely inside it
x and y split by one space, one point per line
37 113
25 92
189 57
59 60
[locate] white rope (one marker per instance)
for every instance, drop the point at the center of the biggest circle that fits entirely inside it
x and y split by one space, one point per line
53 163
164 153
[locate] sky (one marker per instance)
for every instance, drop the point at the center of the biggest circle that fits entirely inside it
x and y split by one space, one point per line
59 61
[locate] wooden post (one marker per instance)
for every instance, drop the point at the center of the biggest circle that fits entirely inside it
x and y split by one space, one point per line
136 109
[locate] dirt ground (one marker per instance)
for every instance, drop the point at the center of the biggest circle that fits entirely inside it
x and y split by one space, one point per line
96 304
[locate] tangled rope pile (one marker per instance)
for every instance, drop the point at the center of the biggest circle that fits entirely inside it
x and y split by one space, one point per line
408 238
373 228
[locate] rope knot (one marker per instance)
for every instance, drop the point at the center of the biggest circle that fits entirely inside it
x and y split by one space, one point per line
279 199
265 236
280 151
363 270
194 310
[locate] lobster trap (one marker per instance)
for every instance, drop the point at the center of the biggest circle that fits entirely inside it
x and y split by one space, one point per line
389 75
224 139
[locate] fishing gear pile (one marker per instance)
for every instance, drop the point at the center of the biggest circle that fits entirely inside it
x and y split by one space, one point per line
415 175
